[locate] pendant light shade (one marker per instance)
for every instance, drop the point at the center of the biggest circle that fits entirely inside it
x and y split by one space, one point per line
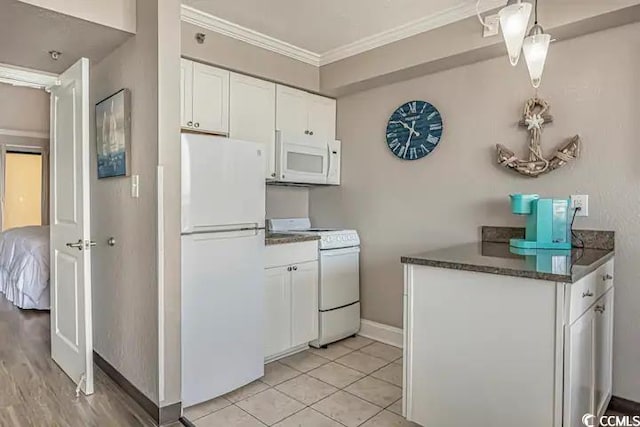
514 19
536 47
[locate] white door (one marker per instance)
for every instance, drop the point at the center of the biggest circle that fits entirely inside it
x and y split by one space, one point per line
304 303
603 351
292 111
340 276
71 335
186 93
579 374
252 115
277 321
210 99
322 117
222 312
223 184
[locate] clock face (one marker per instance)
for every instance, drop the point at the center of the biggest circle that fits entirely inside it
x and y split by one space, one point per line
414 130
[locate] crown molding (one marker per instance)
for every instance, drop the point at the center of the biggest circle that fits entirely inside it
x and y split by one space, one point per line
247 35
19 76
427 23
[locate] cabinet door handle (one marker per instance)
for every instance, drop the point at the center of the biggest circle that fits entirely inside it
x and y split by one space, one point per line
600 308
606 277
289 268
311 133
273 175
295 268
189 123
587 294
196 124
306 132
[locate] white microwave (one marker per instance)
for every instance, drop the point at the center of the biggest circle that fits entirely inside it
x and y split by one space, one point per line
307 159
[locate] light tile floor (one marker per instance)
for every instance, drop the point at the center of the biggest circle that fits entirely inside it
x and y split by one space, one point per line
355 382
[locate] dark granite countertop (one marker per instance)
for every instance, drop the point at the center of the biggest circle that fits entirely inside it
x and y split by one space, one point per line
282 238
499 258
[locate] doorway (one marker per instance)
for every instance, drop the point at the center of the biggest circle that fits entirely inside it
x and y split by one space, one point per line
24 186
34 187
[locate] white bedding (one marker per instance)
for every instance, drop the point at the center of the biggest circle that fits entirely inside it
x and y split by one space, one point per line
24 266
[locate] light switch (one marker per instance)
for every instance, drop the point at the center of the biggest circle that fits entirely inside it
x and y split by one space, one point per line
135 186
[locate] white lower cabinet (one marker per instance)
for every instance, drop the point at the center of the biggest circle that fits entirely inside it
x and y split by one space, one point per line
304 303
579 374
515 351
277 307
291 298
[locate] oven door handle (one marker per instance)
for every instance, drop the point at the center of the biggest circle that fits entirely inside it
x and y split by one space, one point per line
340 251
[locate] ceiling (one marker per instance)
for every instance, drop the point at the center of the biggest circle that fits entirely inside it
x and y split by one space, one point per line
29 33
321 26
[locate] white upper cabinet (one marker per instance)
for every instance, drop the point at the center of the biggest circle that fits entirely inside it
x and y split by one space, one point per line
322 117
210 99
291 110
252 115
186 93
302 113
204 98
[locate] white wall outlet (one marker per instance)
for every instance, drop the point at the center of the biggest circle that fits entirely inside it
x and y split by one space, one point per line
492 28
582 202
135 186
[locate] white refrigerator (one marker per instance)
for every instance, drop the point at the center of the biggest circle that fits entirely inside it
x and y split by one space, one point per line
223 210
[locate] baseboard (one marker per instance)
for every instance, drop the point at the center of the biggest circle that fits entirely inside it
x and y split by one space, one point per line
624 406
165 415
381 332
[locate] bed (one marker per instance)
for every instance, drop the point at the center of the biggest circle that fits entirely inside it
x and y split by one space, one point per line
24 267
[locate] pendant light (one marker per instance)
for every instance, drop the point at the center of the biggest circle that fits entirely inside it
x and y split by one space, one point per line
535 48
514 19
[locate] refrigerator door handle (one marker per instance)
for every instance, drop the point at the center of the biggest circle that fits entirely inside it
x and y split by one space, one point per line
225 229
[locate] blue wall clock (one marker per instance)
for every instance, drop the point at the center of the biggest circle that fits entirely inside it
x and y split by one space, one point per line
414 130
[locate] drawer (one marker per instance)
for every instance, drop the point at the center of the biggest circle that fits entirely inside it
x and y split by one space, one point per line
291 253
587 290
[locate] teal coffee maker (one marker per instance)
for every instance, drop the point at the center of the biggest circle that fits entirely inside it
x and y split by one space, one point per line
548 222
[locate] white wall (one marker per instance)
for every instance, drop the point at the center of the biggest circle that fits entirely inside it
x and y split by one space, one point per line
125 277
119 14
287 202
23 108
402 207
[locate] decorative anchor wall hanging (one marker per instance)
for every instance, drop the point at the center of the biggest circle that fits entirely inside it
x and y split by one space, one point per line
535 116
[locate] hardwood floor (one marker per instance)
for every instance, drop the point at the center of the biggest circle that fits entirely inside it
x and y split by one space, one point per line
34 391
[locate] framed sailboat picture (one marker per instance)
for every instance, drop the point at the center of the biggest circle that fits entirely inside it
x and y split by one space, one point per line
113 134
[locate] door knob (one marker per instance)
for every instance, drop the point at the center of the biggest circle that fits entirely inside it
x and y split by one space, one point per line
295 268
306 132
311 133
189 123
78 245
289 268
196 124
111 241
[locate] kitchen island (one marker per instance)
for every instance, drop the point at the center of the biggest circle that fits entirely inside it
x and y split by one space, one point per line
499 337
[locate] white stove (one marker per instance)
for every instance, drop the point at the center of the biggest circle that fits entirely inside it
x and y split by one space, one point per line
330 238
339 277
